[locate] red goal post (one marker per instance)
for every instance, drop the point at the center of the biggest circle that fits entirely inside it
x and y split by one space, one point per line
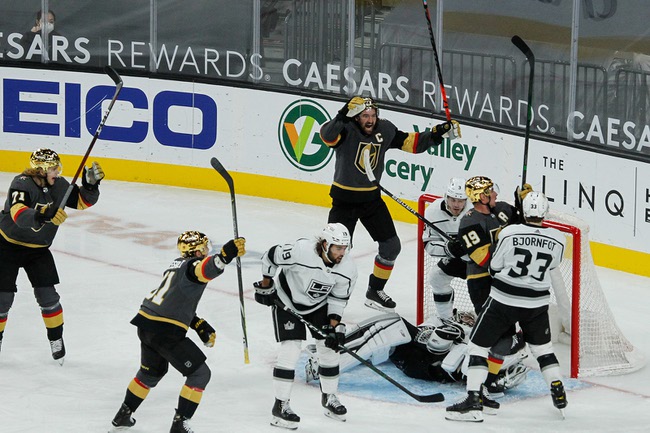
580 315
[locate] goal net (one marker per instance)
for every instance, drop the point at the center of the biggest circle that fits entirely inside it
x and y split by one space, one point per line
580 315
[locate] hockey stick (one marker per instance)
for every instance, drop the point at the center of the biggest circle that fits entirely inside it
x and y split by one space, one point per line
445 103
524 48
431 398
373 179
231 186
118 87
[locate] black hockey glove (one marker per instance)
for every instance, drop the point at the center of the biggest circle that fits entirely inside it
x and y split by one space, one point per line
207 334
454 248
439 131
335 336
265 295
233 248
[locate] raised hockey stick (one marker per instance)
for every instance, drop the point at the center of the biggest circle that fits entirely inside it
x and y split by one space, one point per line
118 87
373 179
524 48
445 103
231 186
431 398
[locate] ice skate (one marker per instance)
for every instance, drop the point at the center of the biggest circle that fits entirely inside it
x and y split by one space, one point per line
490 406
559 396
284 416
333 407
123 419
58 350
181 424
470 409
379 300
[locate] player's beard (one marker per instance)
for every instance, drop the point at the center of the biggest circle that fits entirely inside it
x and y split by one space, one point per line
336 261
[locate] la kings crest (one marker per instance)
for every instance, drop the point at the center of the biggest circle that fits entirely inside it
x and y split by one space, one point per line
318 289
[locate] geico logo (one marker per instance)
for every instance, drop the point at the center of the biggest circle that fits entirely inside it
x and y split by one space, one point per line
32 107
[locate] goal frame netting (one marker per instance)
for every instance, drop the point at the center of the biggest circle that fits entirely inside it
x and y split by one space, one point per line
580 315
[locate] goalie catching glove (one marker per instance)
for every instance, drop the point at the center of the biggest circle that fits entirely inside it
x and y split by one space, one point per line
232 249
335 336
207 334
92 176
265 295
51 214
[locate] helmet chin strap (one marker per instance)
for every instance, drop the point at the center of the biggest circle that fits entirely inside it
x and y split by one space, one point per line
326 256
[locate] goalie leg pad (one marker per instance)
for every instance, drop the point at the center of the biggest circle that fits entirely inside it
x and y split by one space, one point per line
373 339
454 358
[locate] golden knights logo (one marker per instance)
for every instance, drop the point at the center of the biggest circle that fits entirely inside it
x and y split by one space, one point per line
318 290
374 156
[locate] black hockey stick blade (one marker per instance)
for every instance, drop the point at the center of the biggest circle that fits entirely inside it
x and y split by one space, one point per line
223 172
431 398
113 74
523 47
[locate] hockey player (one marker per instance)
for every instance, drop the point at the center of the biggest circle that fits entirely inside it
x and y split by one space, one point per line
521 266
163 320
432 351
446 215
356 128
29 222
477 236
314 279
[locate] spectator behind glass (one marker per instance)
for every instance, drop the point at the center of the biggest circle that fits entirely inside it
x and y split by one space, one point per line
40 25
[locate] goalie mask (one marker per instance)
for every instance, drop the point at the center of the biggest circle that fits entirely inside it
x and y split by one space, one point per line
477 185
191 241
535 205
441 338
45 159
335 234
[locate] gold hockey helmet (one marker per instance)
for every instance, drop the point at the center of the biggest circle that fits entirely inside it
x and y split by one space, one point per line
191 241
477 185
45 159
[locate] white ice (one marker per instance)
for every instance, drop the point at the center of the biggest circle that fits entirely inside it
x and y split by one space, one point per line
110 256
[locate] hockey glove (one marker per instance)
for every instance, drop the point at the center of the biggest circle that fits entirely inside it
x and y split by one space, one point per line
49 214
335 336
92 176
233 248
440 131
207 334
523 192
454 248
265 295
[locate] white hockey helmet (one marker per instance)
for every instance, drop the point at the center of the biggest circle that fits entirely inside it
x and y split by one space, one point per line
456 188
443 337
335 234
535 205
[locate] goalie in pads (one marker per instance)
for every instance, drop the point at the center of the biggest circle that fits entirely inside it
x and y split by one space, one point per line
433 351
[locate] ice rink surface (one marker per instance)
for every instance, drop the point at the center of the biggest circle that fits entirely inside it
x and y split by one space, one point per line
113 254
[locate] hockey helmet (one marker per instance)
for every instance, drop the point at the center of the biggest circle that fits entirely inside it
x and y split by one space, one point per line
45 159
535 205
456 188
477 185
370 103
443 337
336 234
191 241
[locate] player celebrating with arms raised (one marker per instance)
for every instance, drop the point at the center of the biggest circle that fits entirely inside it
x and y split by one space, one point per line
29 222
355 129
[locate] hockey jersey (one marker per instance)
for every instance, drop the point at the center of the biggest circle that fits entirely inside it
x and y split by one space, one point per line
350 182
18 223
438 214
304 282
521 265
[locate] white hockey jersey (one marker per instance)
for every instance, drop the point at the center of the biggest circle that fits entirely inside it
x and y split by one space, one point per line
437 213
521 264
304 282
